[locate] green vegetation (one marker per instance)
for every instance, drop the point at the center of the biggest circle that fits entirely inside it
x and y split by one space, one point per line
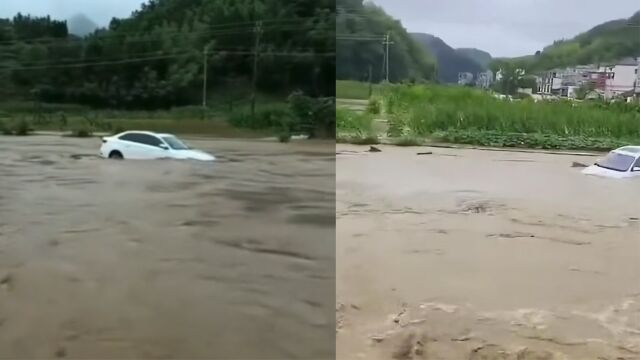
360 29
469 116
354 127
150 66
348 89
20 127
606 42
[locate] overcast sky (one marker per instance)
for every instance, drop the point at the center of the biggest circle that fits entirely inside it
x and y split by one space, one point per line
506 27
100 11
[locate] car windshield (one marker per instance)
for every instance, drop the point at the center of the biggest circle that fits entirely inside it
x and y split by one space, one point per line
175 143
616 161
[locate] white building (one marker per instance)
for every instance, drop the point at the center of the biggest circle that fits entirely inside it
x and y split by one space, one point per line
484 79
621 77
465 78
551 82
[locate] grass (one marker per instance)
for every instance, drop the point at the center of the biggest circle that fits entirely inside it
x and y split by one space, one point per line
347 89
418 114
81 121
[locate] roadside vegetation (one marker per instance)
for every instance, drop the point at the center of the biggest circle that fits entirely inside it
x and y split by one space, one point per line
446 114
296 115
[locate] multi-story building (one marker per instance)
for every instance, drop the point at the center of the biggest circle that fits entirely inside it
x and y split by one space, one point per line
551 82
620 78
484 79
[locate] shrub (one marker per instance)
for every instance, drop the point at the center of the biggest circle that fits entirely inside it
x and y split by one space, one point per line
373 106
271 117
284 137
313 116
21 128
82 132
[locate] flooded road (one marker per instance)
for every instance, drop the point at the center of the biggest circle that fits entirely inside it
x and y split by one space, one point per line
468 254
165 259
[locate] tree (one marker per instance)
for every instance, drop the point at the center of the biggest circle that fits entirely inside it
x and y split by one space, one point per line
154 59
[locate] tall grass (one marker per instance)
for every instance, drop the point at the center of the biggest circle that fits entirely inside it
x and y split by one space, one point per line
422 110
355 127
356 90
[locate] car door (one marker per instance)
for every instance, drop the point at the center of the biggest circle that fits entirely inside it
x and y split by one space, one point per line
148 147
129 145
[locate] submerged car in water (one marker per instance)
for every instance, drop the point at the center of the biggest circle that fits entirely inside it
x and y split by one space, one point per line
146 145
619 163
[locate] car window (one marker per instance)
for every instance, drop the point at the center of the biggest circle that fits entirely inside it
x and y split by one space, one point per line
637 163
175 143
129 137
616 161
141 139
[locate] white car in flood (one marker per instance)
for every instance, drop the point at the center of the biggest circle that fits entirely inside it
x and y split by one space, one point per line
146 145
619 163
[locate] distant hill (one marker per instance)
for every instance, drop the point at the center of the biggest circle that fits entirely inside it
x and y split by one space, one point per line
81 25
450 62
482 58
607 42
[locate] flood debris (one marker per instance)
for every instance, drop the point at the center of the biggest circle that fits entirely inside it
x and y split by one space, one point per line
374 149
578 165
425 153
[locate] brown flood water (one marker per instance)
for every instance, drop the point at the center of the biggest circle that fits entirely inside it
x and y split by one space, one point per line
467 254
166 259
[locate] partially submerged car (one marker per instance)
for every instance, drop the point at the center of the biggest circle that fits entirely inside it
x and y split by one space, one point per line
146 145
623 162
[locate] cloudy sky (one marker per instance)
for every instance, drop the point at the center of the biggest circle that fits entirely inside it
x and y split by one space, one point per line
506 27
100 11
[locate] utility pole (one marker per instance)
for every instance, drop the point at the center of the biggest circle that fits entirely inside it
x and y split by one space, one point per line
387 41
204 80
258 33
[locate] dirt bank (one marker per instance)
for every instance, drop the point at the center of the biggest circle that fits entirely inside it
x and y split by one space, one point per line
466 254
165 259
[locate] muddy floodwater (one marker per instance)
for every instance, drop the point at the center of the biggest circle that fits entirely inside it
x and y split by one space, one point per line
167 259
469 254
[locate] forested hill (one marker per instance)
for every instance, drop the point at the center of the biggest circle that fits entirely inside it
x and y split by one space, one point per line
154 58
360 34
606 42
450 62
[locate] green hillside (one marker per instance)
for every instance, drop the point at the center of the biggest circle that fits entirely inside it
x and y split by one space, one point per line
154 58
606 42
360 30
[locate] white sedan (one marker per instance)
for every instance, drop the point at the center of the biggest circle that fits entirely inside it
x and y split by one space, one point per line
623 162
145 145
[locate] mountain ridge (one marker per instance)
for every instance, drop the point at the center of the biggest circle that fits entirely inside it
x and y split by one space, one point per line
450 61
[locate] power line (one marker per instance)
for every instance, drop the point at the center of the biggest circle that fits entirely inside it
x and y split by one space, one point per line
151 54
169 56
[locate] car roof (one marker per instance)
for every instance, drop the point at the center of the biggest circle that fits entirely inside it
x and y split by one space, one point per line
143 132
629 150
